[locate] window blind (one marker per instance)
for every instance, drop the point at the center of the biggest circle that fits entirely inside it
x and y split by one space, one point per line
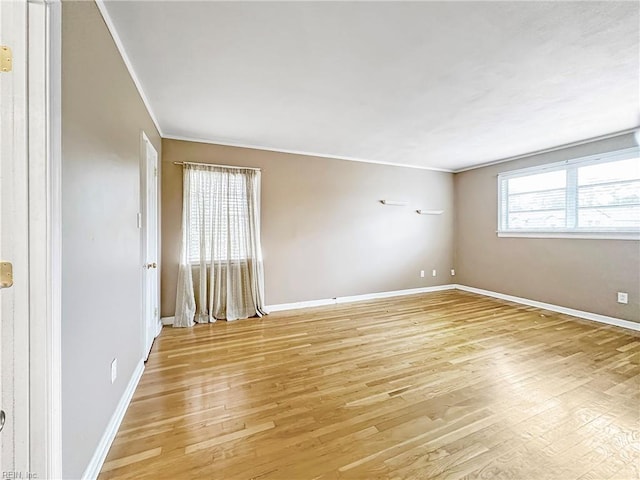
212 204
584 195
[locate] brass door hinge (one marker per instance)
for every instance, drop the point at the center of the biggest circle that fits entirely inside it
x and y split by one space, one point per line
6 59
6 274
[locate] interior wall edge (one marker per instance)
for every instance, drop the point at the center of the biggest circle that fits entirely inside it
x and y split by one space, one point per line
123 53
222 143
97 460
583 274
325 232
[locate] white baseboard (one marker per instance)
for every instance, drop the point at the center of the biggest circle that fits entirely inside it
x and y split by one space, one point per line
412 291
296 305
596 317
93 469
355 298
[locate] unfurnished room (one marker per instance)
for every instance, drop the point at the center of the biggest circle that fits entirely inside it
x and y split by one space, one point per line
320 240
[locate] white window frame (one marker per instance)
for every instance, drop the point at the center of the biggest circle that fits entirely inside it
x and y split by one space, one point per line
587 233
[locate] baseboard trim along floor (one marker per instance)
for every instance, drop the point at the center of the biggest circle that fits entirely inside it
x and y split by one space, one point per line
595 317
356 298
95 465
336 300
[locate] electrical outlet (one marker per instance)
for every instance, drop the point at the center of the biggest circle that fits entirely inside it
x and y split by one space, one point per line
433 273
114 370
421 273
623 297
453 272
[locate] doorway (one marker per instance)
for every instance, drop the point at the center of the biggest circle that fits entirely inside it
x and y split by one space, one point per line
150 290
30 443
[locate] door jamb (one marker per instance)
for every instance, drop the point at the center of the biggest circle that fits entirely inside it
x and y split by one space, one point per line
45 239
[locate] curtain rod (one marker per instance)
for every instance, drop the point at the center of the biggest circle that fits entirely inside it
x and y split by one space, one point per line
216 165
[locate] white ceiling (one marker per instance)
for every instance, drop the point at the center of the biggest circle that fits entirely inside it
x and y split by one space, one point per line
444 85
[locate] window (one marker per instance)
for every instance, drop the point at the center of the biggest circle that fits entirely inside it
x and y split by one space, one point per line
218 213
597 195
220 273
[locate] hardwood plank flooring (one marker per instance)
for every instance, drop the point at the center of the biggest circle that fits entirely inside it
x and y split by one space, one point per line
448 385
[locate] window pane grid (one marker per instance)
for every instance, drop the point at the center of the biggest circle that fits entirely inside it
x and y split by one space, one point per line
537 220
610 216
523 202
579 197
549 190
618 193
550 209
609 172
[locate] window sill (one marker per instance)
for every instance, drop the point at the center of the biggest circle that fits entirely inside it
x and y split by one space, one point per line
576 235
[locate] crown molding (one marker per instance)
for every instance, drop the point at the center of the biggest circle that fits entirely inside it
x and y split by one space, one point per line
299 152
123 53
551 149
120 46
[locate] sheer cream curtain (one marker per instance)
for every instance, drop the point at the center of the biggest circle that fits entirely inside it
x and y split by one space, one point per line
220 274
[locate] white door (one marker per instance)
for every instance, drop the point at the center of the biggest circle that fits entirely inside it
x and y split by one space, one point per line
14 240
152 325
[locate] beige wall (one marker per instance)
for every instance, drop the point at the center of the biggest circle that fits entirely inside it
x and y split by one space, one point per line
580 274
324 232
102 120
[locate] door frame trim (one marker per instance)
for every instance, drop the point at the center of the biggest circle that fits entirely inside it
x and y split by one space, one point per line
44 123
144 141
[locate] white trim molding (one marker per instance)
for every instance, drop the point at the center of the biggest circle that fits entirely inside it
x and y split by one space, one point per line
337 300
45 240
356 298
551 149
93 469
159 327
595 317
574 235
297 305
54 333
570 168
33 30
123 53
224 143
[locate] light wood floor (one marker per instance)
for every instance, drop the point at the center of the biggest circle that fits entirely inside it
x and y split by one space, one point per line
446 385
